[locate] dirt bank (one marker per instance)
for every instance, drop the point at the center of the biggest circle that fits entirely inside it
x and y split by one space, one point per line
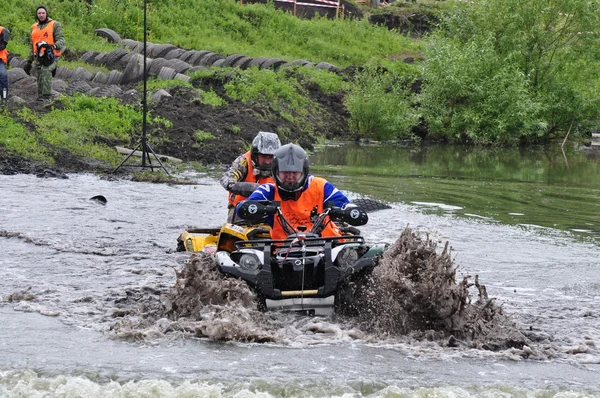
233 124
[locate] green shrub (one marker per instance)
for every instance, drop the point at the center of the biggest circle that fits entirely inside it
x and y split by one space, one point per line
211 98
379 102
513 71
328 82
200 136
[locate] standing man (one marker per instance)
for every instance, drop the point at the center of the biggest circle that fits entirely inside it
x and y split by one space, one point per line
249 170
47 45
4 37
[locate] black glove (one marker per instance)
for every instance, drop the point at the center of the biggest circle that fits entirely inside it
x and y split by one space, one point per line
244 188
355 216
352 214
256 210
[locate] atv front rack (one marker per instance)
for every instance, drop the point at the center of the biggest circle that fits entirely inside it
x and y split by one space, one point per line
331 241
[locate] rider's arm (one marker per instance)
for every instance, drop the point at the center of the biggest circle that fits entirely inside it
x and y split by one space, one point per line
334 195
352 214
236 173
263 192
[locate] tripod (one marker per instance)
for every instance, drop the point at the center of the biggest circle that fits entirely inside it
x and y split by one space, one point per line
143 144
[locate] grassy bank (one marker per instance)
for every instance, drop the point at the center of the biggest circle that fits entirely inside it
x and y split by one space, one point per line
222 26
511 73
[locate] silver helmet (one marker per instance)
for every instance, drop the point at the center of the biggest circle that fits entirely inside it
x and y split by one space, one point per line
290 157
263 144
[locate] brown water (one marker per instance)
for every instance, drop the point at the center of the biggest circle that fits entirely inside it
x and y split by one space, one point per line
76 274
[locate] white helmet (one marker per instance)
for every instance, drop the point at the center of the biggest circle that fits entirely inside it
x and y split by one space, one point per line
263 144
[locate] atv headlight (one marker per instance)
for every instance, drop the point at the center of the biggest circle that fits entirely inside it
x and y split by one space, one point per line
347 258
249 262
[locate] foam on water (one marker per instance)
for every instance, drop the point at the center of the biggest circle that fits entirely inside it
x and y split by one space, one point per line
32 385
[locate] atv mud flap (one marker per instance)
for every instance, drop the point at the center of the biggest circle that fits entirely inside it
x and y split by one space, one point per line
303 305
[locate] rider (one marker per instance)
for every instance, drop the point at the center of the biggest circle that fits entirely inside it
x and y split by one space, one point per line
299 193
249 170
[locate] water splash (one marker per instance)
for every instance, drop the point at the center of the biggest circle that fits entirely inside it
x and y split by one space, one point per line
413 290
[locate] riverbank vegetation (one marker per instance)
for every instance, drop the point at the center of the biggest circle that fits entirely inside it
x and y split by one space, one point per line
501 73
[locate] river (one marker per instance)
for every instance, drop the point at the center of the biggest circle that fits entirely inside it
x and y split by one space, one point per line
66 261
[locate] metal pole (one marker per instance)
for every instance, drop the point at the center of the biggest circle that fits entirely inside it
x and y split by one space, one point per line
144 101
146 149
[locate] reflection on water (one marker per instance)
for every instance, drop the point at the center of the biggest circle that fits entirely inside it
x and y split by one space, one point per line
534 186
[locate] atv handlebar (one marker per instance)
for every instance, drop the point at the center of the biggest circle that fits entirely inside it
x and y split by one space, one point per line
352 214
258 209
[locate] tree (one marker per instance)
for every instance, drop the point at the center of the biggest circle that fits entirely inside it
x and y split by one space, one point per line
513 70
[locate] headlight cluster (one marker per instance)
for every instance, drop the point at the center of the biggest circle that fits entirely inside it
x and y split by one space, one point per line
249 262
347 258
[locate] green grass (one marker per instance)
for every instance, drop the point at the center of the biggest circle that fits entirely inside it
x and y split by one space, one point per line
85 127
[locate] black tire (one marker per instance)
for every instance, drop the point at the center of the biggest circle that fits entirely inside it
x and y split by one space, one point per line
326 66
299 62
100 78
162 49
79 86
370 205
242 63
89 56
230 60
175 53
109 34
178 65
15 74
273 63
197 57
257 62
210 58
114 77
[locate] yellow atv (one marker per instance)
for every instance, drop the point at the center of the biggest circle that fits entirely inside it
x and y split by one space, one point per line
212 240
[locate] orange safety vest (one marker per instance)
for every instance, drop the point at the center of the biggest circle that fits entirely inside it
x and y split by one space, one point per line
250 177
297 212
46 34
3 53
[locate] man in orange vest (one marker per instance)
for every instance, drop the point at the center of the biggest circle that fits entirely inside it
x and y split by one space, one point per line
249 170
299 193
4 37
47 44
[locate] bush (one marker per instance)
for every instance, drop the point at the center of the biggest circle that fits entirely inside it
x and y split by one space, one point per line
513 71
379 102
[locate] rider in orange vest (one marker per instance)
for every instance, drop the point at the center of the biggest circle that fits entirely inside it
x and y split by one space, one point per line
46 35
4 37
299 193
250 170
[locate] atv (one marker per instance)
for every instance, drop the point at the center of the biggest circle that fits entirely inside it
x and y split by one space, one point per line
300 273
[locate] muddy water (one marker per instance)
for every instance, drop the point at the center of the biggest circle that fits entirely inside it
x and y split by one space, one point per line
68 264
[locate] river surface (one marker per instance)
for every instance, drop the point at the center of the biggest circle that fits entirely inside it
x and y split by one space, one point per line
65 260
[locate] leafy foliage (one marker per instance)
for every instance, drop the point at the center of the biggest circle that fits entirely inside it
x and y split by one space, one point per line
379 102
511 71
